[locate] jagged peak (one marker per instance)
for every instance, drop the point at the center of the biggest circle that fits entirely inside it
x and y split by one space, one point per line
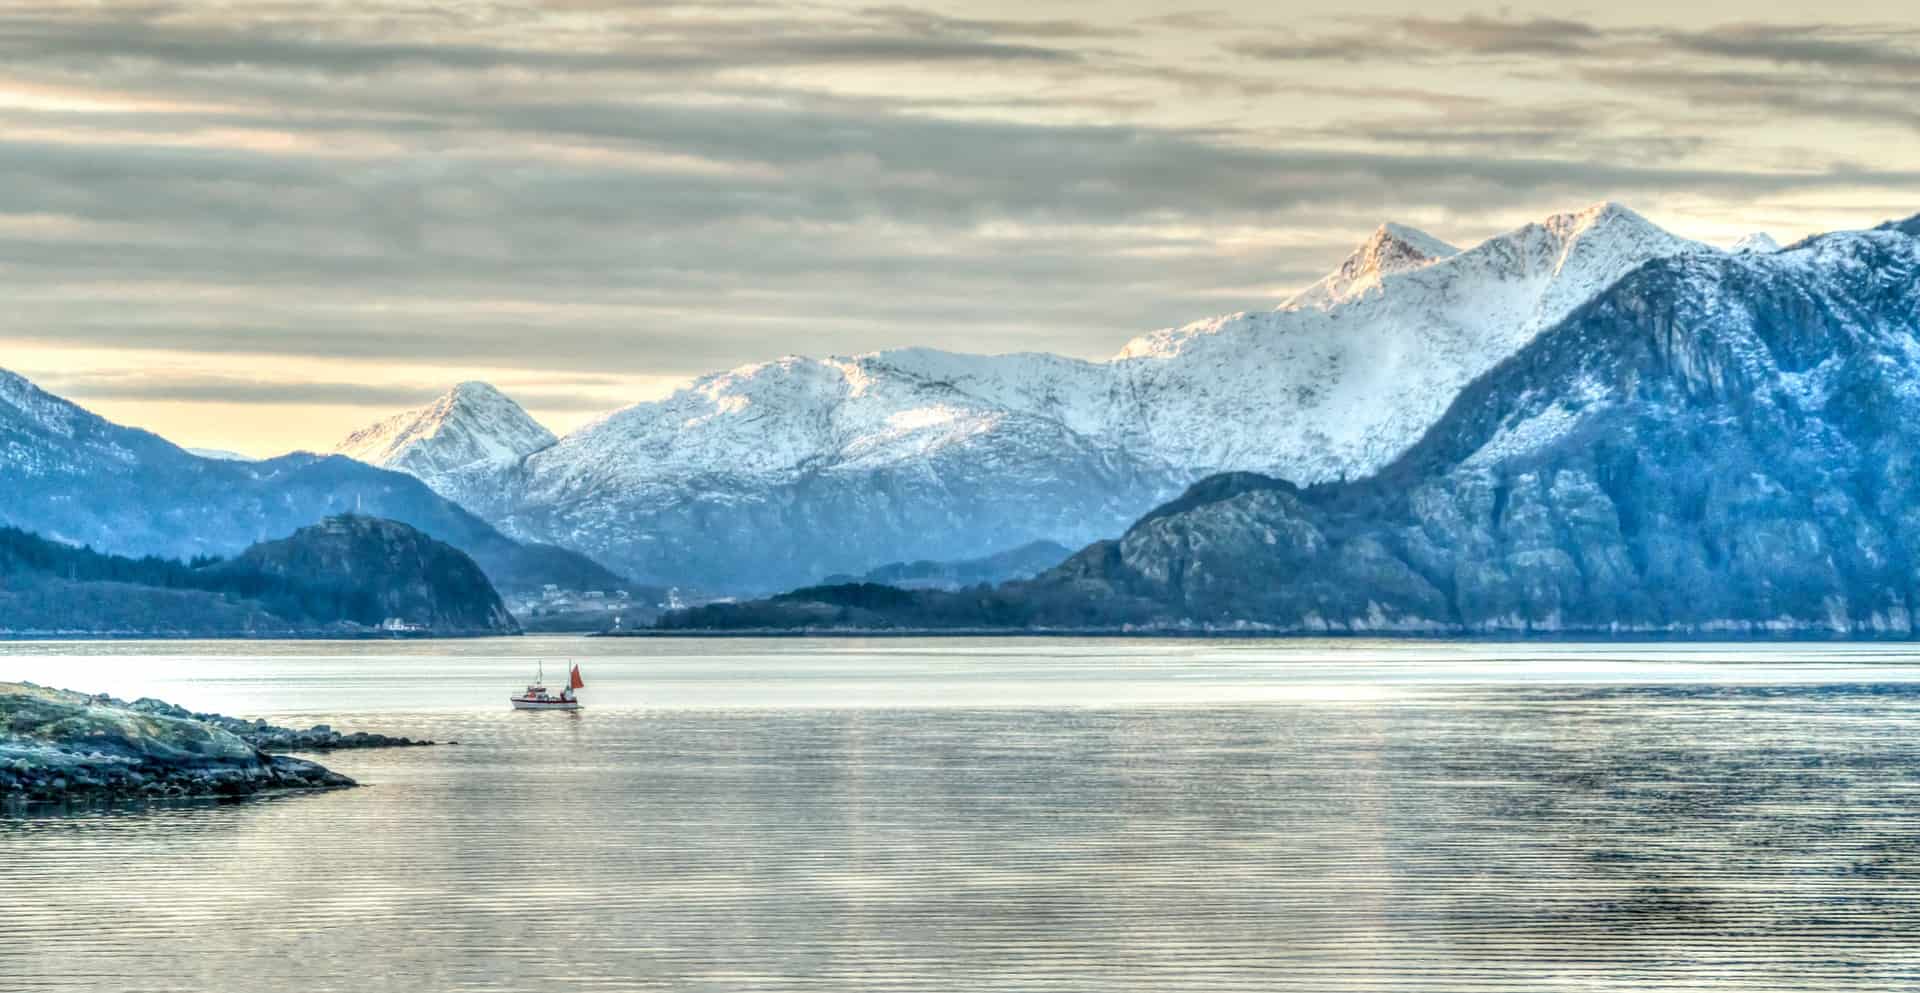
1605 233
1391 239
1390 249
1607 220
1757 243
1594 215
486 425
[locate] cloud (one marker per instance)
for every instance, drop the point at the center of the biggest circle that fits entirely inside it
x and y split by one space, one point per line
1771 95
1851 52
1429 38
636 190
640 44
229 389
1478 35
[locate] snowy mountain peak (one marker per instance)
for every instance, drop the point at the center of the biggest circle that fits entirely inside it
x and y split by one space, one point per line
1606 229
1757 243
1392 248
475 391
472 424
1570 224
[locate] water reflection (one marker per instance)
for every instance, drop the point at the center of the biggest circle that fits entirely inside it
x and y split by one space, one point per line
1453 836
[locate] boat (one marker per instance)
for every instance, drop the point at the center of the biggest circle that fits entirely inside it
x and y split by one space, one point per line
537 698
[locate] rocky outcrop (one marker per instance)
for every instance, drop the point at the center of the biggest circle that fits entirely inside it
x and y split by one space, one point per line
264 736
57 746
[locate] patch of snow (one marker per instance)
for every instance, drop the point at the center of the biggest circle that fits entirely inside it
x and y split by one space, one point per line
222 455
464 434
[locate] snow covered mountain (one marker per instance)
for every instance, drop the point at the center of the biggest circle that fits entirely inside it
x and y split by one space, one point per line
1717 445
1320 389
470 434
775 474
72 476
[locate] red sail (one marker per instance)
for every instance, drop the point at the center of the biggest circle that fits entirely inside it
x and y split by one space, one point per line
575 681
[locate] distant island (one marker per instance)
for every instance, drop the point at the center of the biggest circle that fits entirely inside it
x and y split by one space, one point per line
349 576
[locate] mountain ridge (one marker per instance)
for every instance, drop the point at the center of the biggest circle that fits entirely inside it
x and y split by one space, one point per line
79 478
1718 445
735 481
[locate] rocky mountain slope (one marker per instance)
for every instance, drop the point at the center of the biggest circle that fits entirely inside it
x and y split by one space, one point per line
776 474
1719 444
75 477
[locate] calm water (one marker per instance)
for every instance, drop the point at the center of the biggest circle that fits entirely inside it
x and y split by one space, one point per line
1009 815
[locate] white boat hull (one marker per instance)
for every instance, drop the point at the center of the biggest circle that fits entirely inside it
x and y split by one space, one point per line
519 704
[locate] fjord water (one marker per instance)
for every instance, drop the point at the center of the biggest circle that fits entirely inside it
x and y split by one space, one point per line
1007 815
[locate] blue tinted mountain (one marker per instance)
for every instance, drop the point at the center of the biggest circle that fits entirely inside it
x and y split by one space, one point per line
346 576
1025 562
75 477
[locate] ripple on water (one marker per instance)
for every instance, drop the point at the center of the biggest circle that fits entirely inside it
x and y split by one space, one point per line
1443 838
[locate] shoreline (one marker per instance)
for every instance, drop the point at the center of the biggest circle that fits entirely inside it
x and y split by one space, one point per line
1170 634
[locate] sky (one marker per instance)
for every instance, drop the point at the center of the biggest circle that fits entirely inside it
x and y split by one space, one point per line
261 225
